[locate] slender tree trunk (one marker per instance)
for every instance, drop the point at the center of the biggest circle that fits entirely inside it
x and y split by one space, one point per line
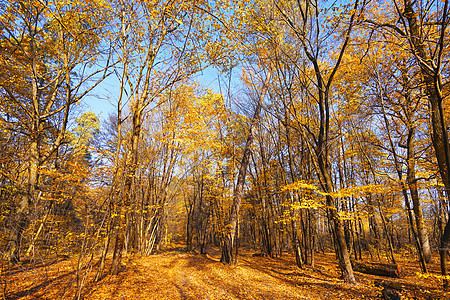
404 188
343 254
388 234
312 236
432 80
296 245
230 239
412 183
21 219
322 151
21 215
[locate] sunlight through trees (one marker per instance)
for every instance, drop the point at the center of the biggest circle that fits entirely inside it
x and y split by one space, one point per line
329 133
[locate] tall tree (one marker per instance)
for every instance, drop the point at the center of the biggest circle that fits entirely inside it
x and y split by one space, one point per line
46 54
160 46
425 34
310 35
229 247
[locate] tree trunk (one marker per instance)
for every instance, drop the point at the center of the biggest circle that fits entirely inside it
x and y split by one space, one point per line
229 242
432 79
412 183
337 226
387 270
296 245
388 234
21 215
404 187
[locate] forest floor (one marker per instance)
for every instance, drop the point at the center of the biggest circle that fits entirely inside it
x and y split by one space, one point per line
175 274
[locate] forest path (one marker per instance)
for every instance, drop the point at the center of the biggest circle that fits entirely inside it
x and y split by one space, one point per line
180 275
175 274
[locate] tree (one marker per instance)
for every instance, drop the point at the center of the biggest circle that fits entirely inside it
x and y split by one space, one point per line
309 35
229 246
159 45
47 49
425 34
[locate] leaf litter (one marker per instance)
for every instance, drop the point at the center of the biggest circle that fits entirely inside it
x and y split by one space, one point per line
176 274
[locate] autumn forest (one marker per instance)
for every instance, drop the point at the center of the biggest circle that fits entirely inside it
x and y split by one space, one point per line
316 165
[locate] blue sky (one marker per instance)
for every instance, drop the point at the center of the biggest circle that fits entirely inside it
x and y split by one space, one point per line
103 99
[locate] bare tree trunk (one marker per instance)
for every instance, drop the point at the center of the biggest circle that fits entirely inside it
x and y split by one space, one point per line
432 79
388 234
412 183
229 243
404 189
341 245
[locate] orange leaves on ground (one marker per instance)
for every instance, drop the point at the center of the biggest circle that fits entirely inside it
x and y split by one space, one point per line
177 275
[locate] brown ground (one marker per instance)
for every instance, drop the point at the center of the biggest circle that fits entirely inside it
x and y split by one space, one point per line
175 274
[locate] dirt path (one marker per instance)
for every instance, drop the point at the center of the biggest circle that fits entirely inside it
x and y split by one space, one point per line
177 275
185 276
